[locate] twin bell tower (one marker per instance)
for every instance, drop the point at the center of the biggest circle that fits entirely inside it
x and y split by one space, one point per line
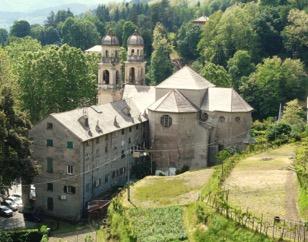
112 74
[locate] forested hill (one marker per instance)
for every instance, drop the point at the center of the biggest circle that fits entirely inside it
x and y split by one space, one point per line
260 48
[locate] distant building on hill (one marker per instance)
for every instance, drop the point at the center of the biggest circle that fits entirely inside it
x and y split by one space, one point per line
183 121
201 21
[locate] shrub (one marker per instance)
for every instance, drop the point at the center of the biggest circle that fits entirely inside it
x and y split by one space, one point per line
279 133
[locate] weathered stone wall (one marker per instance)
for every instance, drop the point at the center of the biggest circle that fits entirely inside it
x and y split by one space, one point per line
185 142
98 164
70 208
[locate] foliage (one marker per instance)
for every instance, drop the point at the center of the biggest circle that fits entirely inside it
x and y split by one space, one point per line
143 167
128 29
294 115
188 38
220 228
240 65
157 224
161 66
14 144
295 34
23 235
227 32
56 79
20 29
3 36
279 133
216 74
80 33
275 81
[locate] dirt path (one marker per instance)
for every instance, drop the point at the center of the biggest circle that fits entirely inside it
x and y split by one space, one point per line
291 198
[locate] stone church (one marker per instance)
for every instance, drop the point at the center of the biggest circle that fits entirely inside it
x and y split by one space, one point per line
183 121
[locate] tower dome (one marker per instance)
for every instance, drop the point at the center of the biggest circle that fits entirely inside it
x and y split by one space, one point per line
110 40
135 40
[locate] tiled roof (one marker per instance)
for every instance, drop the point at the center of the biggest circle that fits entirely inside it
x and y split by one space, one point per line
109 117
173 102
186 78
95 49
224 100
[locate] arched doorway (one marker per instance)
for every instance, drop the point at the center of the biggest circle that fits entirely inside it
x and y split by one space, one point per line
117 78
106 53
132 75
106 77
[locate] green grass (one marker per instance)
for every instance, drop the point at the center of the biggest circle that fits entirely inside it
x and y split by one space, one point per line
221 229
157 224
161 188
303 203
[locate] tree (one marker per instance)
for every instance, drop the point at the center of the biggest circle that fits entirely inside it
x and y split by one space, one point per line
294 115
279 133
216 74
20 29
79 33
188 38
238 66
128 29
3 36
7 78
54 19
274 82
295 34
15 160
56 79
227 32
161 66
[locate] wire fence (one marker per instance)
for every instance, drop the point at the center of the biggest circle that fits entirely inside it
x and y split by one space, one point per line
278 228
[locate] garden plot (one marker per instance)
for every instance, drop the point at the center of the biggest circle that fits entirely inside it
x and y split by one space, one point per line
265 184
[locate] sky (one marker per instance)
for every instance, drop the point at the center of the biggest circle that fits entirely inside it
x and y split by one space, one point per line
32 5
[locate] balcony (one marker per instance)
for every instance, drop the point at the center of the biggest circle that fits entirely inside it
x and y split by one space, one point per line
111 60
135 58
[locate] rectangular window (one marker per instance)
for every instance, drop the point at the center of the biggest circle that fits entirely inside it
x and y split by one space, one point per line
87 187
106 149
50 187
106 178
130 129
122 131
50 203
97 141
49 142
129 140
70 169
137 126
49 165
70 145
122 154
49 125
69 189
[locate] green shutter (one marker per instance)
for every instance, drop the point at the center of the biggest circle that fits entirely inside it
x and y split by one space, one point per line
70 145
49 165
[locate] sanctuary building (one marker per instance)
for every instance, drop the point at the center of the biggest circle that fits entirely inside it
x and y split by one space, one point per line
183 121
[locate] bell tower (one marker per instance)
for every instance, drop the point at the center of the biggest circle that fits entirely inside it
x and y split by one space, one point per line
135 64
109 71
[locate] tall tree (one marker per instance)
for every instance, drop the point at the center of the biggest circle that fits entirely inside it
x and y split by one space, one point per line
187 41
216 74
15 160
274 82
295 34
128 29
20 29
56 79
294 115
161 66
238 66
79 33
3 36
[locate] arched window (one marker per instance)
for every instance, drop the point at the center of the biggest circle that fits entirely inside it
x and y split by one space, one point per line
106 77
132 75
222 119
117 77
116 54
133 51
237 119
106 53
166 121
138 52
204 116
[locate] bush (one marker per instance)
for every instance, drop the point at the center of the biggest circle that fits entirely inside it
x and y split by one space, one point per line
182 170
279 133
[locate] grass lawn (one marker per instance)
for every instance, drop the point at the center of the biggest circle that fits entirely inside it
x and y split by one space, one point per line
156 191
264 184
